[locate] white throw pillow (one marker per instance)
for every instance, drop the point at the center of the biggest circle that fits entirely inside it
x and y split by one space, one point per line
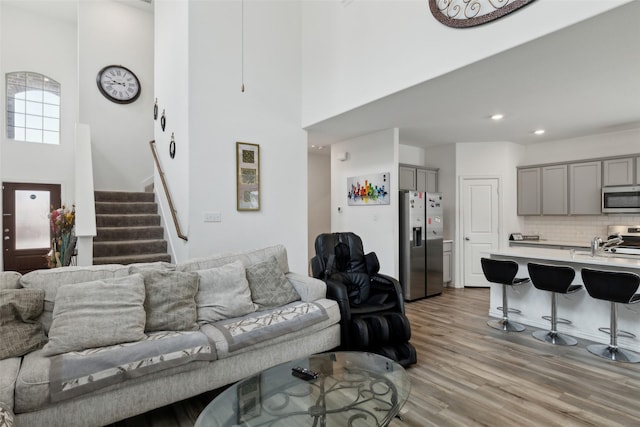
223 293
97 314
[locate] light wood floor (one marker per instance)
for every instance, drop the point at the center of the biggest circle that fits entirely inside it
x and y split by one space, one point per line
469 374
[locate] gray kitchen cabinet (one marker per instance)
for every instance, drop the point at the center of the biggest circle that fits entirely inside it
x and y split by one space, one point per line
447 265
406 178
554 190
529 191
585 187
618 172
427 180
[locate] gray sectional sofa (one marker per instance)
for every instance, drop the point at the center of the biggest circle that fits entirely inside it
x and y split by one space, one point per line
113 341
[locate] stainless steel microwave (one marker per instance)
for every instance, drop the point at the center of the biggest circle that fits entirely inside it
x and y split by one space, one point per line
622 199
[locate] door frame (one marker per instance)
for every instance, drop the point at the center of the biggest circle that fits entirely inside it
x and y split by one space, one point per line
459 254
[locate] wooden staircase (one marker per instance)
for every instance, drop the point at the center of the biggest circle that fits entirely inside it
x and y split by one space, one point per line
128 229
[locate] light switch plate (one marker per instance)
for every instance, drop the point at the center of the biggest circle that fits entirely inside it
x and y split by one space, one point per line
212 217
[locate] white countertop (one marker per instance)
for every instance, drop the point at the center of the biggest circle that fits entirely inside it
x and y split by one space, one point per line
544 242
565 255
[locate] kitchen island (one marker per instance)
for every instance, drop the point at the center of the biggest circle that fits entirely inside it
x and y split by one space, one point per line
586 313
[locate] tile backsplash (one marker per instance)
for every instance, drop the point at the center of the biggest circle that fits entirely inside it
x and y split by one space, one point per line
575 229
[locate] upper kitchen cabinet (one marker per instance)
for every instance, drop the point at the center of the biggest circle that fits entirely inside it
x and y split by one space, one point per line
618 172
427 180
585 187
529 191
554 190
406 178
418 179
637 170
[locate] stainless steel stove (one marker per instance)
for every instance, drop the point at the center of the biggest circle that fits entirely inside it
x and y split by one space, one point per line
630 235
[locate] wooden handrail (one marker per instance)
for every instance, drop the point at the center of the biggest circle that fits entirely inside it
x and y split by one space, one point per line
166 191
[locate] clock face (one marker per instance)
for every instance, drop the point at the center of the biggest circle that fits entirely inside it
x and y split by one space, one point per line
118 84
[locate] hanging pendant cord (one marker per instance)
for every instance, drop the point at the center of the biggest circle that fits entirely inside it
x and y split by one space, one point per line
242 48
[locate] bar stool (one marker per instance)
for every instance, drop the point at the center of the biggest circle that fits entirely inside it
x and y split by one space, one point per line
504 273
557 280
616 287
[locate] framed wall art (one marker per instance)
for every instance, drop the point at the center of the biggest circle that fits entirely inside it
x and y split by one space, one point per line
248 176
368 190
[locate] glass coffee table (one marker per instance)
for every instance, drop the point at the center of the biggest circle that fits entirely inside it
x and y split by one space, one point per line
351 389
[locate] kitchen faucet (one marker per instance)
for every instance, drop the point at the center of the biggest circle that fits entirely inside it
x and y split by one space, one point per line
595 245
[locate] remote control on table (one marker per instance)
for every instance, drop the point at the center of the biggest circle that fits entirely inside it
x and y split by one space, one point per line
304 373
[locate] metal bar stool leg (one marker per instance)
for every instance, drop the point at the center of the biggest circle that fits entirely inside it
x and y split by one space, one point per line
504 324
612 351
552 336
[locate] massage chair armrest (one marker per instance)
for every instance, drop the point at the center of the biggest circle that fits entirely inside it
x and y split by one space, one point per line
317 267
338 291
379 280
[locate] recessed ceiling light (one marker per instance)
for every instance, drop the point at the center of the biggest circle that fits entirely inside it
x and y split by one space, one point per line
538 131
497 117
320 147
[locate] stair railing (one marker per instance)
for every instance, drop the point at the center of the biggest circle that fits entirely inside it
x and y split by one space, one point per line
152 144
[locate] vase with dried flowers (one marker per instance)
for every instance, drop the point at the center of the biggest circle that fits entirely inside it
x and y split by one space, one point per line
62 221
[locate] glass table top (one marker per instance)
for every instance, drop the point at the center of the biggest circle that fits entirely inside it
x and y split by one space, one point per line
352 389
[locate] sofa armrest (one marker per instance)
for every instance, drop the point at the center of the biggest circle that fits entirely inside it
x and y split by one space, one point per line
310 289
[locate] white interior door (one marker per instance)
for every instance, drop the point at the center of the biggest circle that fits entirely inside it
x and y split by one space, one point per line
480 225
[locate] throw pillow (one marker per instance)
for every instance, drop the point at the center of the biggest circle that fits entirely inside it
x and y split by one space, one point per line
170 301
269 287
97 314
20 333
223 293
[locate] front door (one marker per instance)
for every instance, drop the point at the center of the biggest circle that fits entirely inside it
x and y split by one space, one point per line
25 223
480 225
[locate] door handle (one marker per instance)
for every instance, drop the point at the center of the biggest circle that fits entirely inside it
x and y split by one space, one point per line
467 239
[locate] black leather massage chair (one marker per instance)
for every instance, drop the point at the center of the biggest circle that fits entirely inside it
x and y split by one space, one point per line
371 304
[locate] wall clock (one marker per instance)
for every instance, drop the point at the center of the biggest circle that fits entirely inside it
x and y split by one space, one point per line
118 84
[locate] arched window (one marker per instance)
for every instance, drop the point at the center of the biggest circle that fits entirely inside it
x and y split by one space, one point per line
33 107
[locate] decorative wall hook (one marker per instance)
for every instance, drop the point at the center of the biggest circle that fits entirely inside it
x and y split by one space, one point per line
163 121
155 110
172 147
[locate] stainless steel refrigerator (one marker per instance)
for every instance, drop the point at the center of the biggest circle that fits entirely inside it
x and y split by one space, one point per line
420 244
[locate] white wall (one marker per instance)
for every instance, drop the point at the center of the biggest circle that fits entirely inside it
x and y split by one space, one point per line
217 115
51 47
406 45
377 225
171 74
318 197
111 32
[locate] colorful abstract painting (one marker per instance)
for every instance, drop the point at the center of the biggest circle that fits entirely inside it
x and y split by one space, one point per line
368 190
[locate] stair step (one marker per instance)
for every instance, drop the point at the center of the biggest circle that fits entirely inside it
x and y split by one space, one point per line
120 220
132 259
128 247
123 196
106 234
126 208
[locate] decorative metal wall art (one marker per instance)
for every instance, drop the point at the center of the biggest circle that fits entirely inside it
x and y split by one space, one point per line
172 147
469 13
248 176
163 121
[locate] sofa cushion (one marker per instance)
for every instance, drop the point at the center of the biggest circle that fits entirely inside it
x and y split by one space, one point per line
19 332
277 326
96 314
248 258
50 280
269 287
170 299
7 417
80 372
9 369
223 293
10 280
